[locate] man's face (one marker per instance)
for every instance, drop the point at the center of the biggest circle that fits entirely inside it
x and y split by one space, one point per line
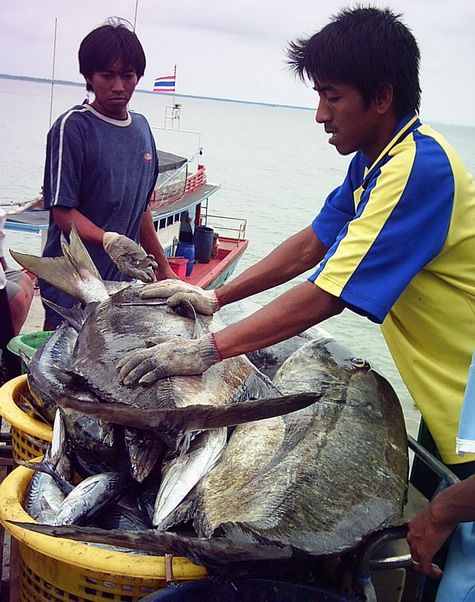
113 87
352 125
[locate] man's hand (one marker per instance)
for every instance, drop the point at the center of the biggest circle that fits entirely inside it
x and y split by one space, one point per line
168 357
129 257
176 291
425 537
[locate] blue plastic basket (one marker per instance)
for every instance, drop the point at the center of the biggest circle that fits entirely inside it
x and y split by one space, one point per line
246 590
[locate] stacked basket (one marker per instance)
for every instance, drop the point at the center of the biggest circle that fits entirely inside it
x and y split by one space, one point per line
29 436
58 569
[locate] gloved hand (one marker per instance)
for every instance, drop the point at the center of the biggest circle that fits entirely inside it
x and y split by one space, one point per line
129 257
176 291
168 357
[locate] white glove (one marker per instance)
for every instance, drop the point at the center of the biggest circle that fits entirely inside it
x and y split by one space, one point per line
176 291
129 257
170 357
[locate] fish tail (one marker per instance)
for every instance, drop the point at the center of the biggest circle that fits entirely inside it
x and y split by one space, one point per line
74 274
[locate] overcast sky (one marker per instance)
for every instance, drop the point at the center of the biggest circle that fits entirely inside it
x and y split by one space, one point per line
236 48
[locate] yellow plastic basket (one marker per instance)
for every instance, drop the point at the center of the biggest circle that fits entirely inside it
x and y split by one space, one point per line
29 436
59 569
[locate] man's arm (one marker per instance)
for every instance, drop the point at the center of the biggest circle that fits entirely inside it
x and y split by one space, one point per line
151 244
65 217
299 253
430 528
291 313
129 257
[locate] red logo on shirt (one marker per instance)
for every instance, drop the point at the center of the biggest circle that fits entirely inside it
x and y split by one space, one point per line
147 157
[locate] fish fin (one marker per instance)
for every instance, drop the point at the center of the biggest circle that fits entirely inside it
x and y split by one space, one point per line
67 273
192 417
25 357
183 473
199 550
75 316
186 309
77 250
259 386
46 468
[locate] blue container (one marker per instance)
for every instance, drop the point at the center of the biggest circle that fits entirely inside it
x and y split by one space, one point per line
246 590
186 250
203 240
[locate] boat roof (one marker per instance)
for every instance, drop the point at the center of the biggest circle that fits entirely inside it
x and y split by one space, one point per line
168 161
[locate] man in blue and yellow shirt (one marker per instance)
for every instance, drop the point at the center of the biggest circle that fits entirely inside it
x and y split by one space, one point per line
395 242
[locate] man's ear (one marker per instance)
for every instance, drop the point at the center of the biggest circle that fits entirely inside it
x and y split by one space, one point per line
383 99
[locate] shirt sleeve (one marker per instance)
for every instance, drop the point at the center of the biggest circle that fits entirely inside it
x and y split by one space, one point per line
400 224
64 163
339 207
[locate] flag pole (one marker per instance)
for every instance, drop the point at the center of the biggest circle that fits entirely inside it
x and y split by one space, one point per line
52 71
174 87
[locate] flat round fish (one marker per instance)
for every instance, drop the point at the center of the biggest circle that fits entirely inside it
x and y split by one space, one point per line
320 479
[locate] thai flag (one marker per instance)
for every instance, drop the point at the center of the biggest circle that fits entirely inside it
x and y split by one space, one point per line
165 84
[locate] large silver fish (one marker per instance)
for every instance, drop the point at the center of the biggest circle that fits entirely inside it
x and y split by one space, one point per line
314 483
116 324
48 379
318 480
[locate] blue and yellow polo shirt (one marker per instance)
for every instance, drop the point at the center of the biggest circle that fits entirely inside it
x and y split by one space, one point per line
401 250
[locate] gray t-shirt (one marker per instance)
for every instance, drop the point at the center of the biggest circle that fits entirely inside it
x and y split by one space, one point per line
104 168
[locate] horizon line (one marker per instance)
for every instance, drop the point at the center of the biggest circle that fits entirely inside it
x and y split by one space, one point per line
48 80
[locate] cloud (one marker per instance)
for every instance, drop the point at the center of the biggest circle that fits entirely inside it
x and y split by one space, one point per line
236 49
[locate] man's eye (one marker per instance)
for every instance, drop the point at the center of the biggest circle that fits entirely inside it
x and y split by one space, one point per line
333 99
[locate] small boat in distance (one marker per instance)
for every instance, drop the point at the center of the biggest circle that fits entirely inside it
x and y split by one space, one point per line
180 204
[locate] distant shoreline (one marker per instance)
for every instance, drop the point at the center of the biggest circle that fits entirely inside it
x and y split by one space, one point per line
44 80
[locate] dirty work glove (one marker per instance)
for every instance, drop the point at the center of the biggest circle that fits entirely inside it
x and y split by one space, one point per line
129 257
176 291
170 357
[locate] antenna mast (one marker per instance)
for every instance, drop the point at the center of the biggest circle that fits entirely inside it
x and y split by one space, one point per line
52 72
136 11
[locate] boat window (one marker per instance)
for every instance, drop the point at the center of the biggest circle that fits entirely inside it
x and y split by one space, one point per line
162 224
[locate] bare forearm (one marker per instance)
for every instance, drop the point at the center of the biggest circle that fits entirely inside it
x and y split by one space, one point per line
65 217
288 315
455 504
290 259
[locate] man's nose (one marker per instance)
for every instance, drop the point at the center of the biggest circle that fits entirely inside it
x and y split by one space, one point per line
118 83
323 113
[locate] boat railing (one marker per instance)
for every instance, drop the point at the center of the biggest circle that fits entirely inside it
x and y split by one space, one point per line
178 184
226 226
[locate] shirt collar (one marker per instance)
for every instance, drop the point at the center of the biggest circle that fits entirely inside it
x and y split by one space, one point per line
408 124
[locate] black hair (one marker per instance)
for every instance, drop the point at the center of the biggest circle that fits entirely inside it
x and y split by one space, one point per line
365 47
103 46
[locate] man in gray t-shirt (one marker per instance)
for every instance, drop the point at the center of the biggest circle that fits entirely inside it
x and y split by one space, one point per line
101 167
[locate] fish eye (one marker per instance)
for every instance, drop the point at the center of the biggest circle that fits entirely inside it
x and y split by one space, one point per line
358 363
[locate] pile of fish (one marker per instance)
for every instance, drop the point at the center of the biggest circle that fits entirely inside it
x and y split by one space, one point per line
224 467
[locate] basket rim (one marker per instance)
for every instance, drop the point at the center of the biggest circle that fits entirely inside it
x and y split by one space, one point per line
12 491
12 413
19 343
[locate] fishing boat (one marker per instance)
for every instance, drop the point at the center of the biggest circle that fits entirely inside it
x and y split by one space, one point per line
183 221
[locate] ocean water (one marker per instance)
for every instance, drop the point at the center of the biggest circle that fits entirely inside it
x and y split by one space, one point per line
274 165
